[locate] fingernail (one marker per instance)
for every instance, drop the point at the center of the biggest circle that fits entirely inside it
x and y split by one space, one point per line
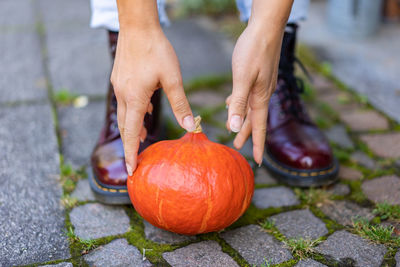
235 123
129 169
150 113
188 123
227 106
141 140
259 165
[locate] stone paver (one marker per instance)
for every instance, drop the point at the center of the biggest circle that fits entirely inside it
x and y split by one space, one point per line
31 216
274 197
80 129
83 192
202 254
206 98
213 52
164 237
21 71
363 120
299 224
74 48
61 264
347 173
384 145
95 220
397 259
340 189
309 263
256 246
116 253
363 159
344 212
383 189
262 176
343 244
338 135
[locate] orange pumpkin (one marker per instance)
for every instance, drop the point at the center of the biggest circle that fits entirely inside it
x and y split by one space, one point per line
191 185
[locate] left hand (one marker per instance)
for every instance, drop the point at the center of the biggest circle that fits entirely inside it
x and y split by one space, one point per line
255 62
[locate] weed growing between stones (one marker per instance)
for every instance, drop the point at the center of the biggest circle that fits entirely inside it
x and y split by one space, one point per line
302 248
386 211
376 233
69 177
64 97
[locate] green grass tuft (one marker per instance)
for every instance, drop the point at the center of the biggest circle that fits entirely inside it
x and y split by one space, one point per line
379 233
302 248
386 211
64 97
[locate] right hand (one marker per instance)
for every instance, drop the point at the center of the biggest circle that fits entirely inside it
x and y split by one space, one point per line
145 61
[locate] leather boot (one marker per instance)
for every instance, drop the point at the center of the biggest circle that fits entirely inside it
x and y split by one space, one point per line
297 152
108 181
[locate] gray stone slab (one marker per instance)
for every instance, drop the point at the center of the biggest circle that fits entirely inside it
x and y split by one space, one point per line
397 259
299 224
31 216
200 49
363 159
274 197
80 129
383 189
256 246
309 263
78 56
343 244
61 264
363 64
340 189
344 212
21 71
262 176
83 192
338 135
202 254
164 237
92 221
116 253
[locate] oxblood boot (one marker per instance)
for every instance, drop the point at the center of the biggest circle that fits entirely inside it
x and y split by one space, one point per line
108 181
297 152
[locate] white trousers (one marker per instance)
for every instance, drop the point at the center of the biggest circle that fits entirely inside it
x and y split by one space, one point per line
105 13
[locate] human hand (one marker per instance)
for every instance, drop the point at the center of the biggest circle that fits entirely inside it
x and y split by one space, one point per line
255 62
144 62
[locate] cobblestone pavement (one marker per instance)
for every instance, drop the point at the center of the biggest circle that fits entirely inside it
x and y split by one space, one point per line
53 63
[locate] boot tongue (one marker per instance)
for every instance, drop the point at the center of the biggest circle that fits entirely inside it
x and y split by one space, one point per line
289 86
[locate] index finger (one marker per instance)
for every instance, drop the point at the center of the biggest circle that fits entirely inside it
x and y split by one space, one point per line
134 117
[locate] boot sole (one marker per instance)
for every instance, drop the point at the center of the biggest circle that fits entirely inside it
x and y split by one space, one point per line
302 178
110 195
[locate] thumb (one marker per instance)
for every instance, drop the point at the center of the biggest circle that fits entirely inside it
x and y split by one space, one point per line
237 107
179 104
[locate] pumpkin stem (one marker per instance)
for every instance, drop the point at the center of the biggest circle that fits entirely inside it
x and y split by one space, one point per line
197 121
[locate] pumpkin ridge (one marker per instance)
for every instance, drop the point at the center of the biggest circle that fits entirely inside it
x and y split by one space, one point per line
206 216
172 157
235 159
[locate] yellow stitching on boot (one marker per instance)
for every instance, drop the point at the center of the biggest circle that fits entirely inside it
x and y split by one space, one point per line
110 190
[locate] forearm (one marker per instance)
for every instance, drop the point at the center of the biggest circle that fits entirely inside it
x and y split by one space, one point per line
270 15
138 14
